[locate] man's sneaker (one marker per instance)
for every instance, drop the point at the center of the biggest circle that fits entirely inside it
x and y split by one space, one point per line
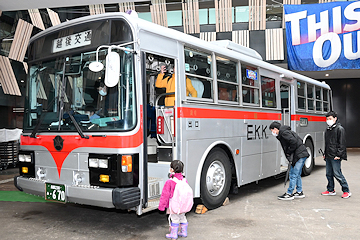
286 196
346 195
299 195
327 193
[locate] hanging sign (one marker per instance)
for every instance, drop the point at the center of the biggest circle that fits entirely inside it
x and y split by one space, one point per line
323 36
72 41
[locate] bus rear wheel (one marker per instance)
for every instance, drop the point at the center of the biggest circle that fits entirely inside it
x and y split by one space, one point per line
309 162
215 179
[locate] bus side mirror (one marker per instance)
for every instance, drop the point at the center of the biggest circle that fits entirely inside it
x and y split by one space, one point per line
112 72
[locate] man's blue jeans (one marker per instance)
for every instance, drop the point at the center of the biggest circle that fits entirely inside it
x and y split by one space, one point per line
295 176
333 169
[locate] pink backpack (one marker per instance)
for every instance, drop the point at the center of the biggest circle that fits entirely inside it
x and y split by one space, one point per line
182 200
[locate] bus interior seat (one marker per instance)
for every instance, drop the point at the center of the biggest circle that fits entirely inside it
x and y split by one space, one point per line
223 94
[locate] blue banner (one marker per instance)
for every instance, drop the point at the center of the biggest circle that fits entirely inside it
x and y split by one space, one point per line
323 36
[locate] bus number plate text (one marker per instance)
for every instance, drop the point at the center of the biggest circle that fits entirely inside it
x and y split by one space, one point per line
55 192
304 122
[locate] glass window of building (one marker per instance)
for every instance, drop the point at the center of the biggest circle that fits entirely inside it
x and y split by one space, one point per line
250 84
207 12
145 16
143 10
268 92
212 16
274 10
242 14
310 1
301 95
198 68
174 18
203 16
227 79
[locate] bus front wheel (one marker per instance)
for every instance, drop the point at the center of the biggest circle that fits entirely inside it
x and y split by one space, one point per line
215 179
309 162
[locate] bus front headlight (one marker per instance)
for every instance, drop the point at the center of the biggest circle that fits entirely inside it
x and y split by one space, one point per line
98 163
93 162
103 163
24 158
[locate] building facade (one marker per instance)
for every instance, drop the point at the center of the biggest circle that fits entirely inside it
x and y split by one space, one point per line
258 24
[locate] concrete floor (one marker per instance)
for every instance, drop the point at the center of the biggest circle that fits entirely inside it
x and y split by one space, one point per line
255 213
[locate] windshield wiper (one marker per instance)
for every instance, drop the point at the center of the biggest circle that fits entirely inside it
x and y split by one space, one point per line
62 88
36 129
78 129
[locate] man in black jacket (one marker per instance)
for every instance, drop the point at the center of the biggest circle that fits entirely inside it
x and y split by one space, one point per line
335 151
296 153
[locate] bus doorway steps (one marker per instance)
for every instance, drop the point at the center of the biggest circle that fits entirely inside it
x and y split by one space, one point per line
153 204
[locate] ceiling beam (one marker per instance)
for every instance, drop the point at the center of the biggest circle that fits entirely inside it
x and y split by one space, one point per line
15 5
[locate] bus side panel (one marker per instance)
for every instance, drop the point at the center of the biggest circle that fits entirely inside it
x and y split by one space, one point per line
270 163
319 143
198 142
316 130
251 155
251 166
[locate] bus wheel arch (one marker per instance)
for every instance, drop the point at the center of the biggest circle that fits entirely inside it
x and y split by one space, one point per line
216 176
310 161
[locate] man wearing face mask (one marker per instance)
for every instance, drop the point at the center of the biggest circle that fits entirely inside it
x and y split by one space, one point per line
296 153
335 151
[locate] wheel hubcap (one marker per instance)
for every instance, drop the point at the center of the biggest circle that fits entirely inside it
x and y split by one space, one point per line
309 159
215 178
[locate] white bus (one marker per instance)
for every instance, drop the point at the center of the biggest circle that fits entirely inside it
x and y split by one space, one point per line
103 137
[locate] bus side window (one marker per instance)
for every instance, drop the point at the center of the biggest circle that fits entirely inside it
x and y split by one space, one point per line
250 84
326 100
318 105
227 79
268 92
301 95
198 68
310 97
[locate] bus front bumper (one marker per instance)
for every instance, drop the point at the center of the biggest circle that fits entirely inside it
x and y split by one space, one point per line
120 198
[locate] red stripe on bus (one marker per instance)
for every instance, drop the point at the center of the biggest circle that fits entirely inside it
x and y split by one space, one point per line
310 118
72 142
186 112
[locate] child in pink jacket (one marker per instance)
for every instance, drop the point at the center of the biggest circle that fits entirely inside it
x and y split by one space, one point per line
176 169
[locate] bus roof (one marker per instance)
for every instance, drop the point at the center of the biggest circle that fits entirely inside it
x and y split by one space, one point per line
225 48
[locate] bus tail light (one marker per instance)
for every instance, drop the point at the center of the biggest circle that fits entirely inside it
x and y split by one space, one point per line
126 163
160 125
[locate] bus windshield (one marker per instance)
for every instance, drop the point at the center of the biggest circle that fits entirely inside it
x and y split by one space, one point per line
65 86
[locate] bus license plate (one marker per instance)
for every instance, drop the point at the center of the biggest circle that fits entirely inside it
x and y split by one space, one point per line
55 192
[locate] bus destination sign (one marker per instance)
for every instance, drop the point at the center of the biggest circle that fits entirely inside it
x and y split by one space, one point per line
72 41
